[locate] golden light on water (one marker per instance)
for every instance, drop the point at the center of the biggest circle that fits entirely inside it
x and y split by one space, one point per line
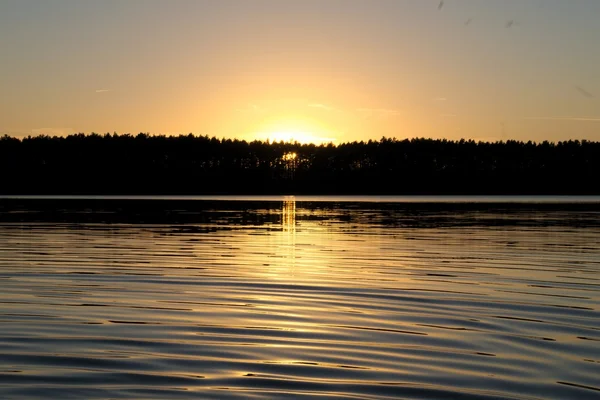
288 212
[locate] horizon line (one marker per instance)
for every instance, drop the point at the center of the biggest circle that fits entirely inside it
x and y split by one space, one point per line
269 141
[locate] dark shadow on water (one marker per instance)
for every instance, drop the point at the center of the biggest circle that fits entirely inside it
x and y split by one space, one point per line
215 215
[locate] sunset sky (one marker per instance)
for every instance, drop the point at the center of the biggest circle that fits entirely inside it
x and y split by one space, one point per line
321 70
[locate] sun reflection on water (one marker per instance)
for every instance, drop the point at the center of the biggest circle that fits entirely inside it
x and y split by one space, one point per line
288 223
288 215
307 298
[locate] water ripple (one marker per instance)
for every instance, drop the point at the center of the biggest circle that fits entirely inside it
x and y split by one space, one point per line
304 301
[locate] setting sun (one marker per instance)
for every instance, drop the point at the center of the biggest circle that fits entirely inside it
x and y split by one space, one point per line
293 136
290 156
299 130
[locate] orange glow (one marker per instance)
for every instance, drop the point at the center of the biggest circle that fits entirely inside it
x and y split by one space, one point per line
296 129
291 136
289 156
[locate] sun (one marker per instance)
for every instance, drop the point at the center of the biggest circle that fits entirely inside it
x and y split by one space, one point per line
292 130
292 136
289 156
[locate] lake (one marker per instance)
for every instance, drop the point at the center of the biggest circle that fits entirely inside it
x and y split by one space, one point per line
299 297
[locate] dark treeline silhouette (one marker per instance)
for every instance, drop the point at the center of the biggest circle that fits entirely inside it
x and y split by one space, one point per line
188 164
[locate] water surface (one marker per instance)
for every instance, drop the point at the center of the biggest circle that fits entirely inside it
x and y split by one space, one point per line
293 299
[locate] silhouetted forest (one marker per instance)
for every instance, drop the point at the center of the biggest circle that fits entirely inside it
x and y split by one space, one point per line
188 164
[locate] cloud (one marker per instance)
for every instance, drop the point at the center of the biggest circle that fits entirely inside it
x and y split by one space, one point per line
251 108
14 133
448 115
577 119
378 112
440 99
584 92
52 131
103 90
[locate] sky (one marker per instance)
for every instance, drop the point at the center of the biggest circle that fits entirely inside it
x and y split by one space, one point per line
310 70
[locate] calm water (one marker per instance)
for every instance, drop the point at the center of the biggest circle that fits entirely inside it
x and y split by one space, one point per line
289 299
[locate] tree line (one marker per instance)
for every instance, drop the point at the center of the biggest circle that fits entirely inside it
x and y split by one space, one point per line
188 164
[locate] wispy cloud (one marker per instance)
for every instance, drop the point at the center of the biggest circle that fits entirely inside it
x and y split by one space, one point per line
448 115
52 131
440 99
378 112
578 119
103 90
251 108
584 92
14 133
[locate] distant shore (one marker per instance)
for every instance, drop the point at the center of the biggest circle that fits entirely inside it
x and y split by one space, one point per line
199 165
264 210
